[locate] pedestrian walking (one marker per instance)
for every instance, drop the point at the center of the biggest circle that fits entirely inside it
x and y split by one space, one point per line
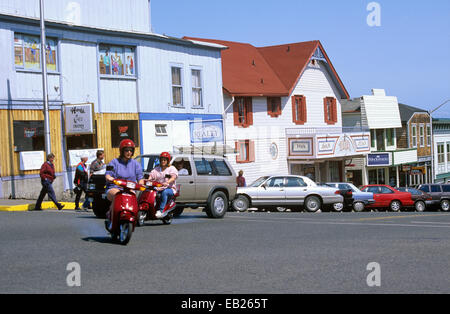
81 181
98 164
47 174
240 180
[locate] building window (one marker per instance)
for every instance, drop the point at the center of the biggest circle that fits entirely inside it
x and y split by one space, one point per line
390 137
414 135
243 111
441 153
448 152
246 151
177 87
28 136
124 129
421 135
373 139
197 90
428 135
117 60
330 110
161 129
27 52
274 106
299 113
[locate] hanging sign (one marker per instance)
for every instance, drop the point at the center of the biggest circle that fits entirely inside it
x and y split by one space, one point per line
79 119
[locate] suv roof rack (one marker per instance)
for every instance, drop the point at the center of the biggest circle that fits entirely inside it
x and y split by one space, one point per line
218 150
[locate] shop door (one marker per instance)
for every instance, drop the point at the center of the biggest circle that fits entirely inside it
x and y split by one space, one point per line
307 170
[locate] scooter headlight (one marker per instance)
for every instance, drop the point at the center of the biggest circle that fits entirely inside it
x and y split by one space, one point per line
131 185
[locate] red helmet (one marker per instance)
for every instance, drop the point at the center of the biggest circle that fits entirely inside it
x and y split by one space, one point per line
165 155
126 143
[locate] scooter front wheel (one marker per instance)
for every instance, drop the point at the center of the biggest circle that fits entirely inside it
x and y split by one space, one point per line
142 215
126 230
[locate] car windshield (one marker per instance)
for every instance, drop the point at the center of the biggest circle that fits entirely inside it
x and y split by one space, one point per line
148 162
354 188
258 182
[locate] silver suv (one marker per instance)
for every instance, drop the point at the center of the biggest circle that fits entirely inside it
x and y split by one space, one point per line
206 181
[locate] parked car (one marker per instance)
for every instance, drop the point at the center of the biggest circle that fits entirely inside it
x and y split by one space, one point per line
440 194
420 198
360 199
346 193
206 181
387 197
295 192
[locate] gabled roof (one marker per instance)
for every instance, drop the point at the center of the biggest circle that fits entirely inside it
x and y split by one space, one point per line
266 71
406 112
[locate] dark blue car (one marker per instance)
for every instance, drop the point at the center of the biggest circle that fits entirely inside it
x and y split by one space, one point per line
360 199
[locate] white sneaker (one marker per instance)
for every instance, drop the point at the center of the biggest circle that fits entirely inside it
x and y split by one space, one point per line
159 214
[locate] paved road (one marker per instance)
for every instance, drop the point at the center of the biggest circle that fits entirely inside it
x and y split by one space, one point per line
242 253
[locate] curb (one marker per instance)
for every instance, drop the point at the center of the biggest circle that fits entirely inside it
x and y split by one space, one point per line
44 206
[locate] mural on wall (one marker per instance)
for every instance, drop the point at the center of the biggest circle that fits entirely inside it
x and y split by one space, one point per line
116 60
27 52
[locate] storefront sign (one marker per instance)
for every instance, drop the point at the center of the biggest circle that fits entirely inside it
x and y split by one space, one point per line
206 132
418 171
79 119
378 160
300 147
75 155
31 160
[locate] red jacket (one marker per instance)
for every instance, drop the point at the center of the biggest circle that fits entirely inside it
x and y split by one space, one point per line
47 171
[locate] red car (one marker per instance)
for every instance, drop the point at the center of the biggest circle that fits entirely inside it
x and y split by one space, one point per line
388 197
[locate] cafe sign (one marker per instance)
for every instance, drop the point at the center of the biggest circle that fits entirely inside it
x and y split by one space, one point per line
79 119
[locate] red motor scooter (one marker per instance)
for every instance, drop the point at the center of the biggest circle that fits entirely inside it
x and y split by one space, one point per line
149 202
125 211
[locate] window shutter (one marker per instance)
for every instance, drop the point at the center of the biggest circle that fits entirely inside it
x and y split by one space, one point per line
249 104
235 113
294 118
305 113
251 151
334 114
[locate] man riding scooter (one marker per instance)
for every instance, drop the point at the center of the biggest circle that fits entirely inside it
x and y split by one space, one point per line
165 174
124 168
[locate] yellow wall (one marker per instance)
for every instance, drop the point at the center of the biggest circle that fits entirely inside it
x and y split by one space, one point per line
10 160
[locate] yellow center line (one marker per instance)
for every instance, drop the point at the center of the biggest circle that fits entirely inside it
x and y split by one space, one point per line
398 217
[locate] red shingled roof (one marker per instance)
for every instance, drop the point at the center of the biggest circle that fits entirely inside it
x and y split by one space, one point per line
266 71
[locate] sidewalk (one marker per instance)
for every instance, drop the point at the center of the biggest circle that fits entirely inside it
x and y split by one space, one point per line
19 205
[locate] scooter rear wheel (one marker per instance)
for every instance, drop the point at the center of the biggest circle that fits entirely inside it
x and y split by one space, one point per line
168 219
126 230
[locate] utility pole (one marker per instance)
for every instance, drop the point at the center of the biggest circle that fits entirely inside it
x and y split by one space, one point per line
44 81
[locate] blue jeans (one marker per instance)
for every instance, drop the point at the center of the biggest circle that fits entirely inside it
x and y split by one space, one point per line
165 195
47 188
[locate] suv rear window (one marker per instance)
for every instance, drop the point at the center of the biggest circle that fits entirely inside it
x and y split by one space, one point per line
212 167
435 188
446 188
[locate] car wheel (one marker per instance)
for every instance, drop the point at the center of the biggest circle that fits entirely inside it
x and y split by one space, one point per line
358 207
420 206
240 204
312 204
395 206
217 205
445 205
338 207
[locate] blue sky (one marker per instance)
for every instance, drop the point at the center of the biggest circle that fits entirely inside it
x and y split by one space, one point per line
408 55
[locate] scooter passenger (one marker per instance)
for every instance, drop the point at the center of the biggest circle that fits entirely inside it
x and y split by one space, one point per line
165 174
123 167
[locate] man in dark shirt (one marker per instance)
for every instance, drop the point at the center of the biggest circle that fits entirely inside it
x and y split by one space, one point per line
47 174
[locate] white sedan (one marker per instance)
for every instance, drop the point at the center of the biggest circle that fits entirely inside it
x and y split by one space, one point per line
295 192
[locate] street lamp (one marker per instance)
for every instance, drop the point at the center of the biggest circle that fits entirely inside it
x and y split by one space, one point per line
432 138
